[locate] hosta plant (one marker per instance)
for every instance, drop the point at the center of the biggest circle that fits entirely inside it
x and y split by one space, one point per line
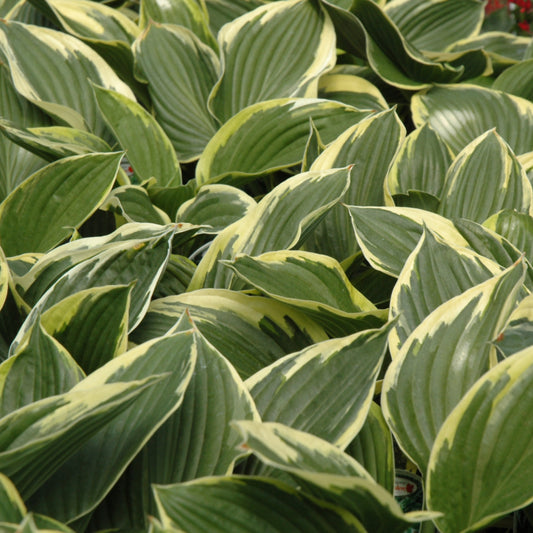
256 258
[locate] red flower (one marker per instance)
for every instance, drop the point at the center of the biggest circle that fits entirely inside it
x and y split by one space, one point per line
524 25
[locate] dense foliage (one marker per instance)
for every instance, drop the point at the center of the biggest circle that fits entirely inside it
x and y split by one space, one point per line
258 255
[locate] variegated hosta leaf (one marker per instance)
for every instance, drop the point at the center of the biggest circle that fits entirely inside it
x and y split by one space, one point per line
222 504
461 113
315 284
133 204
73 490
485 438
38 438
357 147
91 20
180 71
57 75
110 32
442 359
317 465
91 324
45 209
176 278
516 227
434 273
518 333
12 508
151 153
313 147
250 331
40 367
54 142
281 220
340 373
387 49
375 507
5 278
283 447
434 25
504 49
388 235
275 51
141 261
373 448
493 246
517 80
197 440
224 11
421 164
216 205
38 275
17 162
485 178
270 135
188 13
351 90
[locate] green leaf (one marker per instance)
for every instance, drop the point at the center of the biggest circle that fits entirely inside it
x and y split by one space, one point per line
278 50
517 80
57 76
518 333
516 227
373 448
197 440
180 71
439 272
355 147
176 277
91 324
236 324
485 438
44 210
151 155
461 113
351 90
315 284
75 490
465 195
17 163
133 203
270 135
39 368
434 25
53 142
388 235
222 504
12 508
189 13
223 11
291 390
442 359
421 164
281 220
216 205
